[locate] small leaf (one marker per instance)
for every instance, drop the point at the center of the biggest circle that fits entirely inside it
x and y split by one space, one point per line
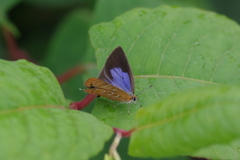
171 48
188 121
5 5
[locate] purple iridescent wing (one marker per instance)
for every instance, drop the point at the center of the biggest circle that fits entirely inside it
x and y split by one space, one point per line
118 72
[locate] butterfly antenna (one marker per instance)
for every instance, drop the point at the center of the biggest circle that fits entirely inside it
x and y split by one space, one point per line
144 90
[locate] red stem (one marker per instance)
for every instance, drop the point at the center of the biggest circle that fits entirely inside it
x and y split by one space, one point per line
74 71
83 103
124 133
14 51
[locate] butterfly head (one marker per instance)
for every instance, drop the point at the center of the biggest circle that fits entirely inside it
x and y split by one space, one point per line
134 98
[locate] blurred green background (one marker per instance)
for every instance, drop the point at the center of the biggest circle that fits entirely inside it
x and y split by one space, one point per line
54 33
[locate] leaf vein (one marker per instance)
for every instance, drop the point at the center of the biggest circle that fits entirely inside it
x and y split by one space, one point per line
139 35
28 108
175 84
216 66
190 112
176 77
166 47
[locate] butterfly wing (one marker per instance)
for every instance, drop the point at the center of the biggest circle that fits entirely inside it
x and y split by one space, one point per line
101 88
117 71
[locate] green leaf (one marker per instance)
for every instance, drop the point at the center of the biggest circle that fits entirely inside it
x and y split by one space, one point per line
49 133
188 121
171 48
230 151
5 5
25 84
34 125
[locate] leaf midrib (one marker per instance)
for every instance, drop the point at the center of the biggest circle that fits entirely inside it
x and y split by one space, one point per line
172 118
176 77
3 112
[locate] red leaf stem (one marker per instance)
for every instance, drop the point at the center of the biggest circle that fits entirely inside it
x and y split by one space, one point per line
14 51
83 103
124 133
74 71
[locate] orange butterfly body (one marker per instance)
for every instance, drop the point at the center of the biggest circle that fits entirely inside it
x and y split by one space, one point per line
103 89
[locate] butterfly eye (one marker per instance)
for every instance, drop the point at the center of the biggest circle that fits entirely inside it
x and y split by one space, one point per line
134 98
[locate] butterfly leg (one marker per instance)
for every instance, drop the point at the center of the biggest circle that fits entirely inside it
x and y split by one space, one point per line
138 103
116 104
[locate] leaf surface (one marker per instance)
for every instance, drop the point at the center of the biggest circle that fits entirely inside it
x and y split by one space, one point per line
221 151
171 48
186 122
25 84
34 122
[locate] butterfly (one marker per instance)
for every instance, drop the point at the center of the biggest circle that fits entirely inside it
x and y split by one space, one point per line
115 81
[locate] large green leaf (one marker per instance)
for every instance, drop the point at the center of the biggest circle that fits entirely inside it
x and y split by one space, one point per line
170 47
188 121
34 123
116 8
